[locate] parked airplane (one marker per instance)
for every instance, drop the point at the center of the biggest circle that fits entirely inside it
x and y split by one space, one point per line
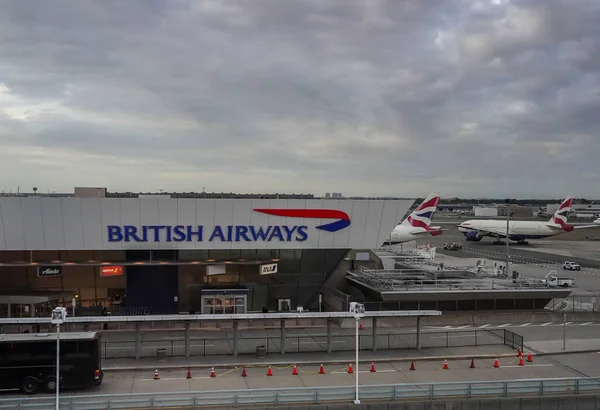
519 231
417 224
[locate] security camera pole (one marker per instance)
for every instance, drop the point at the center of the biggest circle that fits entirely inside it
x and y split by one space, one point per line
58 317
359 312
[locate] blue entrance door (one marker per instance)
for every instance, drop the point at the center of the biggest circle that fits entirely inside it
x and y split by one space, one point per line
153 287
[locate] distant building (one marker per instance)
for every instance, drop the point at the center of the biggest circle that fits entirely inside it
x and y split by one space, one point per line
88 192
485 211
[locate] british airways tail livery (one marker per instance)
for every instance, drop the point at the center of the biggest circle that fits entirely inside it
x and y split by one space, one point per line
519 231
418 223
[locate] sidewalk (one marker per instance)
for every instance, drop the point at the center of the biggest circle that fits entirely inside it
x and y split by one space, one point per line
470 352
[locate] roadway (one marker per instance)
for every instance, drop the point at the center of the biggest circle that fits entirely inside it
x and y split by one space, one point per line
230 378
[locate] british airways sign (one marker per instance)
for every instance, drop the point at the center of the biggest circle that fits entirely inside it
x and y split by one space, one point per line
232 233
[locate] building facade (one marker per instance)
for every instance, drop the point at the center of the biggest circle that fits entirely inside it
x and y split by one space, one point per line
163 255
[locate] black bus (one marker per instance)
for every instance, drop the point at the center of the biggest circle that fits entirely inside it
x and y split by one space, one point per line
28 361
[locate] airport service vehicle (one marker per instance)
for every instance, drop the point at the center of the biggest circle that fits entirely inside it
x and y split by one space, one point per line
454 246
567 265
28 361
597 221
553 280
417 225
520 231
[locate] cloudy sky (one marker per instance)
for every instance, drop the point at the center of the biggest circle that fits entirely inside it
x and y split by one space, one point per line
400 97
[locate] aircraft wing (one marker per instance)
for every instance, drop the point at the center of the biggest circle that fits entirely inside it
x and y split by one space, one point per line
597 225
432 230
486 232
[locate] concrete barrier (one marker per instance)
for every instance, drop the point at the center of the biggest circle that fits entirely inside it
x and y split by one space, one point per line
580 402
479 318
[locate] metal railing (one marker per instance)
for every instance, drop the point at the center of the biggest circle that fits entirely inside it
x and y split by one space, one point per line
302 344
575 303
316 395
510 339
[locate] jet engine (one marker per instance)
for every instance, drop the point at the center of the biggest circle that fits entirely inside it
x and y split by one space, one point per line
473 236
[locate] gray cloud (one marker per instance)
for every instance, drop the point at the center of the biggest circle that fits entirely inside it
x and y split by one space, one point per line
485 98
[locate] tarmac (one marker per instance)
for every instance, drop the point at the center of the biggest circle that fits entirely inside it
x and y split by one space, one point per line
580 245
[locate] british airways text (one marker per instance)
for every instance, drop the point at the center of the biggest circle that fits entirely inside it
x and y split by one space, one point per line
189 233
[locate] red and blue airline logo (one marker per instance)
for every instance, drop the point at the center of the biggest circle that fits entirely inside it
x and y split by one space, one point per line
343 220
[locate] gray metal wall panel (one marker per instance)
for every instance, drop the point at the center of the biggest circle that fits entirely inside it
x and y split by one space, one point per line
54 232
111 215
14 231
167 215
148 216
372 223
2 231
94 227
72 222
358 225
33 225
223 216
259 219
81 223
130 215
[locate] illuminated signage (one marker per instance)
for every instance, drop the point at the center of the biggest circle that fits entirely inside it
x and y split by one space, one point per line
111 271
49 271
268 269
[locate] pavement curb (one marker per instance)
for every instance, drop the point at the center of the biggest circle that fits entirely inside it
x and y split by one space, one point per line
167 366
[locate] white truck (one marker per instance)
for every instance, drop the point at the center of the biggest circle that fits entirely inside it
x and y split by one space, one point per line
553 280
568 265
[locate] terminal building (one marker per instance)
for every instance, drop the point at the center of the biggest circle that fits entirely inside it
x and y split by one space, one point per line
164 255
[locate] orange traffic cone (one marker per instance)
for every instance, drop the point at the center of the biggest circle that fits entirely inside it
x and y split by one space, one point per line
521 363
372 367
156 375
519 353
321 369
295 371
445 365
244 371
350 368
212 372
472 364
269 372
496 364
360 327
529 357
189 374
412 365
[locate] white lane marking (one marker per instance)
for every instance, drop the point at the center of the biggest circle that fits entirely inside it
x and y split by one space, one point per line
378 371
504 325
586 323
464 327
484 326
173 378
529 365
568 323
364 371
525 324
547 324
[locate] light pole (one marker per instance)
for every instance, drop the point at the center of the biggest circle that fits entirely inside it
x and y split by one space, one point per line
507 236
359 312
59 315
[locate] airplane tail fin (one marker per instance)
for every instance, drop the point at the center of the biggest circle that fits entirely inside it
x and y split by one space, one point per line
559 219
421 217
